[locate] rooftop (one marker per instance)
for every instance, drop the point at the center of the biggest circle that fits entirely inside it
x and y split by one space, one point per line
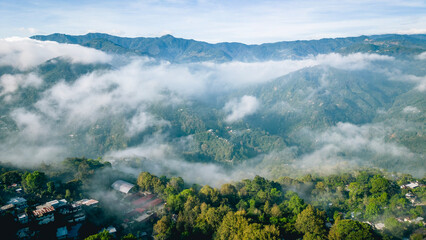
40 212
17 200
122 186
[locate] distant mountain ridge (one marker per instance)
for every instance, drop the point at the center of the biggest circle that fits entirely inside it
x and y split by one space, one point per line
174 49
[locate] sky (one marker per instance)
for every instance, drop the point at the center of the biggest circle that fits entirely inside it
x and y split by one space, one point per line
246 21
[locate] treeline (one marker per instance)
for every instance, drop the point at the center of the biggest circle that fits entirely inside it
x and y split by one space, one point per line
64 180
344 206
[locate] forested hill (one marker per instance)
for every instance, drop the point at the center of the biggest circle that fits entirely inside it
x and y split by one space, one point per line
174 49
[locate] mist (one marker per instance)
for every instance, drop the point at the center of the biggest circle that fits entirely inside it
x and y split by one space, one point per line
47 129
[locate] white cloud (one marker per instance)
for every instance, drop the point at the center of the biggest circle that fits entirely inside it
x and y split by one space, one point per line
159 157
355 61
10 83
142 121
359 144
411 109
238 109
421 56
420 81
30 124
24 53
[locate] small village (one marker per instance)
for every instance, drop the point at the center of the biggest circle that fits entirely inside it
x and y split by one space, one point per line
60 219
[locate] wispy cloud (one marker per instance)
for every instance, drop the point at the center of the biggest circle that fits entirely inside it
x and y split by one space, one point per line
10 83
238 109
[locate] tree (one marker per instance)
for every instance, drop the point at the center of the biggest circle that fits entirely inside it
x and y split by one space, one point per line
163 228
104 235
276 211
50 187
295 204
209 195
129 237
351 230
11 177
372 210
34 182
379 185
235 226
67 194
311 223
229 192
355 190
149 182
176 183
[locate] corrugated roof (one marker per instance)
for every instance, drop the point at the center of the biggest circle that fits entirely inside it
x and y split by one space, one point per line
122 186
91 202
42 211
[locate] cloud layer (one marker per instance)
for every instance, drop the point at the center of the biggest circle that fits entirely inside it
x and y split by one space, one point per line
47 129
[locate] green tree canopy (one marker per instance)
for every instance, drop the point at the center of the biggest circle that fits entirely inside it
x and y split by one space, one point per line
311 222
351 230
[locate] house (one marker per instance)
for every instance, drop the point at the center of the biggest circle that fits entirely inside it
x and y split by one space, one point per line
8 207
111 230
44 214
57 203
23 218
154 203
123 186
73 232
19 202
61 233
379 226
87 202
143 200
143 217
77 217
411 197
411 185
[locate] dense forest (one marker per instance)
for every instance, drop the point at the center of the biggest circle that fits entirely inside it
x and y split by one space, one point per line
360 204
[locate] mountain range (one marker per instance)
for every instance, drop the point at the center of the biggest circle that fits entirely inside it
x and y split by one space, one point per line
305 105
174 49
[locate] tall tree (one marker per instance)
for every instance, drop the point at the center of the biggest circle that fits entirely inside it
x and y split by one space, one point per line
351 230
311 222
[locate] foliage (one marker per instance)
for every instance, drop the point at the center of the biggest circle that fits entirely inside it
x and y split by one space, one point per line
351 230
104 235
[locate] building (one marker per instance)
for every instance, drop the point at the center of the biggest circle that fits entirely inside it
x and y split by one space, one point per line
76 217
8 207
123 186
23 218
411 185
61 233
73 232
87 202
57 203
44 214
19 203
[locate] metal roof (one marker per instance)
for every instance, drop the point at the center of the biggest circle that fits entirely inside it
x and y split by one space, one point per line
122 186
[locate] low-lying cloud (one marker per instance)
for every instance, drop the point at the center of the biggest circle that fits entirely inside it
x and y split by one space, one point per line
24 53
238 109
10 83
411 109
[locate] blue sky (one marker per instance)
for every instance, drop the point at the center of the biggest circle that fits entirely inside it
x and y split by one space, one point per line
245 21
